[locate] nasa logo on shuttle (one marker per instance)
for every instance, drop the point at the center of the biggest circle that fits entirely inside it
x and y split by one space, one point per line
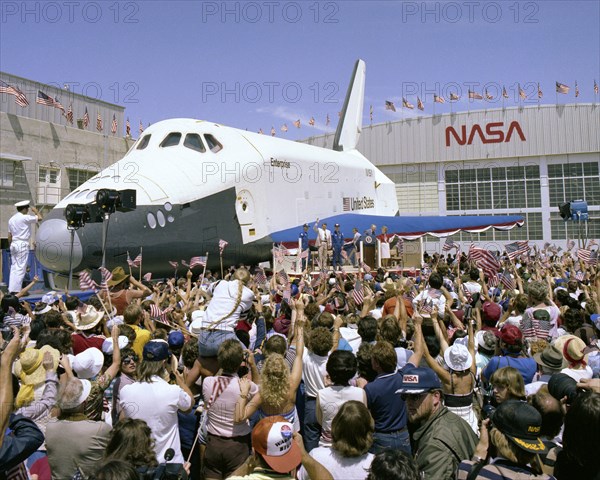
350 204
279 163
494 133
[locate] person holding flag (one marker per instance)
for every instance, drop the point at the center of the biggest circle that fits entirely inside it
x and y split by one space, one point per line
304 246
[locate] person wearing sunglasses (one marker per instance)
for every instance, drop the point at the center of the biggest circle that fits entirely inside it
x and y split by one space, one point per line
127 375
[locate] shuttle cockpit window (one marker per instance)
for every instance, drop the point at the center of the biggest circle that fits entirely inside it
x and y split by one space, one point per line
193 141
144 142
213 144
171 139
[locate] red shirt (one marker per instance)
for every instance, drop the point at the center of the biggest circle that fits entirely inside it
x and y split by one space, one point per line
81 342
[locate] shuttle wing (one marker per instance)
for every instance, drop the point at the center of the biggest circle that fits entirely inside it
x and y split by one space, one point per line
409 228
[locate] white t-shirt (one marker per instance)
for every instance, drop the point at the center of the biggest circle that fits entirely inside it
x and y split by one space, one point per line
223 301
351 335
19 226
353 468
330 401
157 404
313 372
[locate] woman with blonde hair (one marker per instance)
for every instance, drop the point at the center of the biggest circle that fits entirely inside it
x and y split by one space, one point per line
230 303
348 458
278 386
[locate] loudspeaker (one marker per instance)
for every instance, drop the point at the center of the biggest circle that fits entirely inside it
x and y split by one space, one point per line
127 200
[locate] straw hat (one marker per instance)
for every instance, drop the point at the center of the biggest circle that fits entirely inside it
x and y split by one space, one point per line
89 319
29 366
118 276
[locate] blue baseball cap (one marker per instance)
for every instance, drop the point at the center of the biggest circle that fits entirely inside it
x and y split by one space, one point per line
176 338
156 351
419 380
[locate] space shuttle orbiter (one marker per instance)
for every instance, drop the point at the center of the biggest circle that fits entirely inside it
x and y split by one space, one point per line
197 182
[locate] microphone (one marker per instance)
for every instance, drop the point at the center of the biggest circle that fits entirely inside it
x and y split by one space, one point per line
169 454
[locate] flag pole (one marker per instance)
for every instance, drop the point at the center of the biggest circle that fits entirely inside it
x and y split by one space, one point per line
203 270
141 256
128 264
221 261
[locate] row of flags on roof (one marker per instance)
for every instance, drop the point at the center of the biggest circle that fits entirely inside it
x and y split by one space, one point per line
49 101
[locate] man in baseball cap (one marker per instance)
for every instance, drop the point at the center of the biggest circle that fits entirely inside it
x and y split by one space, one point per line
439 438
277 454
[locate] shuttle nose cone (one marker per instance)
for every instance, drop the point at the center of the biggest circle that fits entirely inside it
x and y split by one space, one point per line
53 245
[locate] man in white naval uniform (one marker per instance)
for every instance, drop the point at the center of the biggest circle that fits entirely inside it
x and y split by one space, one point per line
19 233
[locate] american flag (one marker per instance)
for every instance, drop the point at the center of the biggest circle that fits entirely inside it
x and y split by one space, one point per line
20 98
113 126
173 263
273 131
86 282
260 277
99 125
315 281
588 256
488 96
311 122
522 93
454 96
128 128
297 123
449 244
141 127
507 280
406 104
284 127
283 277
70 114
570 244
106 277
222 245
493 280
370 113
562 88
86 118
467 293
147 276
484 259
438 99
365 267
260 131
304 253
157 313
420 105
516 249
185 264
579 275
328 121
346 204
44 99
221 385
136 262
390 106
540 93
595 88
504 92
475 95
198 262
576 90
358 293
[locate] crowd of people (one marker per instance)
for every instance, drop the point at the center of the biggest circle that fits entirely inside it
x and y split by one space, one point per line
424 374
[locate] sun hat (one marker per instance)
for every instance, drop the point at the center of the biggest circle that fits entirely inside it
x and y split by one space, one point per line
23 203
89 319
572 349
521 423
458 357
550 357
28 367
419 380
108 346
88 363
118 276
156 350
51 298
272 438
41 308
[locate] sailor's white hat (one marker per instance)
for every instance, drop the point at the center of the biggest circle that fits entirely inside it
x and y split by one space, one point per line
24 203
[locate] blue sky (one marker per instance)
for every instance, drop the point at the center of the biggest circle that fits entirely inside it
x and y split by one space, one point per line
259 64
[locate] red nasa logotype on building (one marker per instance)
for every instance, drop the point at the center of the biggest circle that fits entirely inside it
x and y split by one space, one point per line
495 132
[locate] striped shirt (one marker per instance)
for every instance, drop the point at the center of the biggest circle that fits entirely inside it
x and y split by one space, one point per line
499 470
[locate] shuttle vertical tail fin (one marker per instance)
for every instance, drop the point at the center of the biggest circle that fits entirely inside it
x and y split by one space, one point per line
350 124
